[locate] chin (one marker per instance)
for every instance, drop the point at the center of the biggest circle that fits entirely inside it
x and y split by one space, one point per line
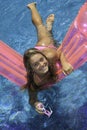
45 71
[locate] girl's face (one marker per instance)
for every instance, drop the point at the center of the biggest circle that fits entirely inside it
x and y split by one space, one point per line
39 64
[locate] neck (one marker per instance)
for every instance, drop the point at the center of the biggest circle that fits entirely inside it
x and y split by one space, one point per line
41 78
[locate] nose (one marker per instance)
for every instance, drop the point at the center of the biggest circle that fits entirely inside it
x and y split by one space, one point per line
41 63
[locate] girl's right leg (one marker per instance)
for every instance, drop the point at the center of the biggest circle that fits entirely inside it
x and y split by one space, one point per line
44 37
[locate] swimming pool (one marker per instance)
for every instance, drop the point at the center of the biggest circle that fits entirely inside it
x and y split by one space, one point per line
68 98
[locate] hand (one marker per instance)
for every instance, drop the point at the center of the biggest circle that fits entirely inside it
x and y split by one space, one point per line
39 107
67 68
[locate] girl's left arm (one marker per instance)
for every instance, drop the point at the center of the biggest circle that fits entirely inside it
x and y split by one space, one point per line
66 66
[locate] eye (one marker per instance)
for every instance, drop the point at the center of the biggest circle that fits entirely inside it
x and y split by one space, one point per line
41 59
35 64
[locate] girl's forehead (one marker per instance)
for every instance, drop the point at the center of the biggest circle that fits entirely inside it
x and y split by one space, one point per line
35 57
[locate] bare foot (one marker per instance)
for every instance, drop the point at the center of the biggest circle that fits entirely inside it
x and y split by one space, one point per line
49 22
31 5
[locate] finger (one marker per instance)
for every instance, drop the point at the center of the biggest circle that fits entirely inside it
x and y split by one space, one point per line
70 71
65 73
71 67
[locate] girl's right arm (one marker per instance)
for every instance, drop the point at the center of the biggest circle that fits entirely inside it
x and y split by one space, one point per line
33 97
34 101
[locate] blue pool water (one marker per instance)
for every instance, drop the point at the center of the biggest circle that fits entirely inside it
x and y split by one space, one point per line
68 98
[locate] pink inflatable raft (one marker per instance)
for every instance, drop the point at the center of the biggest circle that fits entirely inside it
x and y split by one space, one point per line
74 47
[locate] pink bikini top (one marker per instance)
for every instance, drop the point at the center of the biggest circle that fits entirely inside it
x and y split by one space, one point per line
43 47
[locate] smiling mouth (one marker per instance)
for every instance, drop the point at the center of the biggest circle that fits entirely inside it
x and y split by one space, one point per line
44 69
